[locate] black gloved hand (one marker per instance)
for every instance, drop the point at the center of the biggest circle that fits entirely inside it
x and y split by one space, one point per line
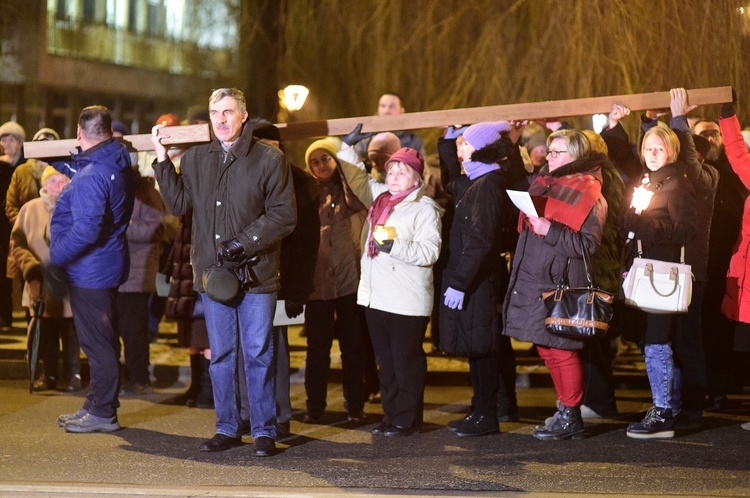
356 135
33 273
727 109
293 308
229 250
385 246
631 221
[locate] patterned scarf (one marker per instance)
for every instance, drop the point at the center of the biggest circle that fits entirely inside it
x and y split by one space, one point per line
568 199
380 210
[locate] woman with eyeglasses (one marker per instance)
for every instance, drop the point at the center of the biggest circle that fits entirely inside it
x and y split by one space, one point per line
663 224
569 189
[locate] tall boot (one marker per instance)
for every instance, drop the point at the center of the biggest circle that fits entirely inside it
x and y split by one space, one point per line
195 380
205 398
565 424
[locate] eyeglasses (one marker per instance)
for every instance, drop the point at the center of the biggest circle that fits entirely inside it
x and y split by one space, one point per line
323 160
556 153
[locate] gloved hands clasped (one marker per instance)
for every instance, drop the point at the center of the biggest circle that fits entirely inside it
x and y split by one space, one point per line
454 299
229 251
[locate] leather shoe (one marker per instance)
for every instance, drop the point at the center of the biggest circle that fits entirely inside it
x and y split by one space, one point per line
398 431
220 442
380 429
478 425
264 446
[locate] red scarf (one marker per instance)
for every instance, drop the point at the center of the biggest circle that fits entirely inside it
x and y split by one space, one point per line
569 199
380 210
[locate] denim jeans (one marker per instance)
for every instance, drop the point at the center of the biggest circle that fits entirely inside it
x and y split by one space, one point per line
660 371
246 323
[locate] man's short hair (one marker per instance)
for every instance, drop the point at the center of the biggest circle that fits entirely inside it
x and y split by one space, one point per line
236 94
96 122
400 98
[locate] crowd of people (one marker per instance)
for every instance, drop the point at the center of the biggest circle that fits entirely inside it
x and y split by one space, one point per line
371 245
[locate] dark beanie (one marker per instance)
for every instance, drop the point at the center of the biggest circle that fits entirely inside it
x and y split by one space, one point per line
410 157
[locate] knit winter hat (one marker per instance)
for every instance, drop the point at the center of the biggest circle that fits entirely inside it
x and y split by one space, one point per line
13 128
535 140
482 134
325 144
266 130
48 172
45 134
119 127
410 157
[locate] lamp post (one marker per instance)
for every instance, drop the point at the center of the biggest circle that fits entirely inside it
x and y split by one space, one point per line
291 99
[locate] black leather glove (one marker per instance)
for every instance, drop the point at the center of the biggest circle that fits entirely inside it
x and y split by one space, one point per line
631 221
229 250
33 273
386 246
356 135
293 308
727 109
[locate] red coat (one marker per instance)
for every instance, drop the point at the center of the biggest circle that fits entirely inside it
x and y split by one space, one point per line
736 304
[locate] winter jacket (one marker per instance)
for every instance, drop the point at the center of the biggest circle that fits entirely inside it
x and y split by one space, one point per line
244 193
144 238
476 265
342 224
539 263
182 296
24 186
736 303
29 247
299 249
669 221
400 282
91 217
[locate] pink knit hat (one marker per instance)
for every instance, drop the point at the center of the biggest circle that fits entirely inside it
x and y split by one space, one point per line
410 157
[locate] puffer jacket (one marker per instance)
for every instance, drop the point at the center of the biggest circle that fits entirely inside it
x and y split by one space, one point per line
246 193
401 281
736 303
91 217
539 264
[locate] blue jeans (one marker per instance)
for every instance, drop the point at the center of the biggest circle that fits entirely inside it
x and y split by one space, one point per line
246 323
660 371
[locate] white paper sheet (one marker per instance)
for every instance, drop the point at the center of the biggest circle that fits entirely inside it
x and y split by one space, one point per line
523 201
280 317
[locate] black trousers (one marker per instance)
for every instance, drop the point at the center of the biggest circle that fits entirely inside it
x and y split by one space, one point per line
397 342
507 402
485 379
324 320
53 330
94 316
132 325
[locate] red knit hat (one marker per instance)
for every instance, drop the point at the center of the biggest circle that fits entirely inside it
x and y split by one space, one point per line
410 157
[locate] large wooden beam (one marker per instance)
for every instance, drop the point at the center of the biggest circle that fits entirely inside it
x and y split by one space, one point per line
534 110
188 134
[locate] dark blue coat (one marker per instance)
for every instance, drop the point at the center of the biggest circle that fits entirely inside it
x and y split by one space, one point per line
91 217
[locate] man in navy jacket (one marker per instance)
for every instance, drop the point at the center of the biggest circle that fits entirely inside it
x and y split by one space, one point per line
88 242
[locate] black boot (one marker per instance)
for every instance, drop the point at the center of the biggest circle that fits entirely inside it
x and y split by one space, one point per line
565 424
195 380
205 398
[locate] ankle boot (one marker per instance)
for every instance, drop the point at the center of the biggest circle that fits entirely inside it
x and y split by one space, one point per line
195 380
205 398
565 424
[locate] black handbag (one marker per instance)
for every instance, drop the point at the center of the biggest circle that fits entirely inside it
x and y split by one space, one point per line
578 312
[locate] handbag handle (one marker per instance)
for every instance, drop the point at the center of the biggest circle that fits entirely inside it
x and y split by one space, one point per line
564 282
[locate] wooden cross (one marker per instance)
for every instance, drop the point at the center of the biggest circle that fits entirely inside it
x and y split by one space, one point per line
410 121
